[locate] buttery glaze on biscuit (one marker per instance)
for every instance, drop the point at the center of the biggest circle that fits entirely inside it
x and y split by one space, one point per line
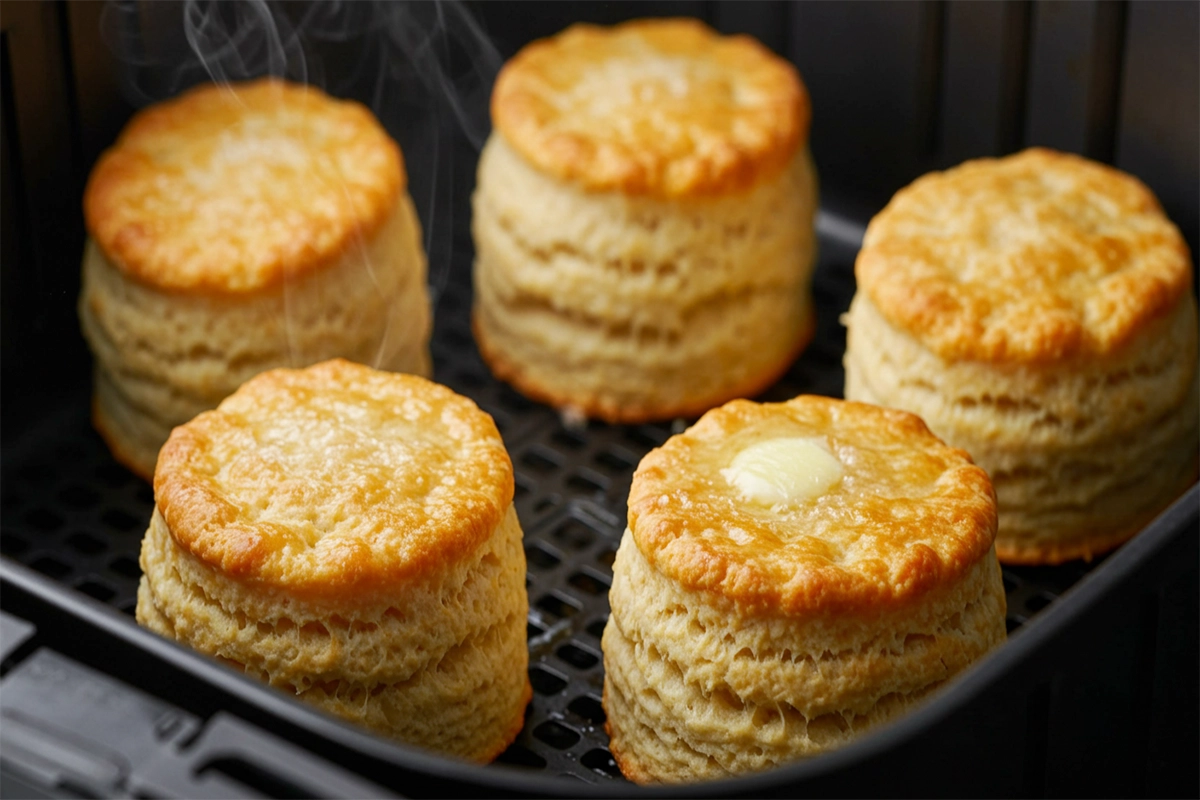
657 107
744 634
880 536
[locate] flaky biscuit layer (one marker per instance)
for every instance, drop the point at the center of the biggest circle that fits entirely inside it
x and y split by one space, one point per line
1082 455
748 632
696 688
436 662
347 535
1036 310
162 357
634 308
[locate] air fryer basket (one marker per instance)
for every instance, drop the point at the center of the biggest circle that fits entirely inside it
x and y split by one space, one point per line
1093 694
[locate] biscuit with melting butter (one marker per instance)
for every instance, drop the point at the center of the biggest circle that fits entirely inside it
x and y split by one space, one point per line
643 222
793 575
348 536
1037 311
235 229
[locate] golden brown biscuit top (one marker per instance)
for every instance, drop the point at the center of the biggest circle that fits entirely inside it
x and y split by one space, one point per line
230 189
1032 258
656 107
909 513
332 479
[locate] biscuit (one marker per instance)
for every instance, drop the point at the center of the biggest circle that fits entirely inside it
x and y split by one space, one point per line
348 536
236 229
643 221
793 574
1037 311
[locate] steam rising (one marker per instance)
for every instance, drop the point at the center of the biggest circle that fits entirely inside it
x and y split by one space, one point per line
366 50
425 69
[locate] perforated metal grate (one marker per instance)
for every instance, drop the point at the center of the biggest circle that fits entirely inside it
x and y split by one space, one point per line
70 512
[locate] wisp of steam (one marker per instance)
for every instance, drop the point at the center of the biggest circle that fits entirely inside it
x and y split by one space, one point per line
424 68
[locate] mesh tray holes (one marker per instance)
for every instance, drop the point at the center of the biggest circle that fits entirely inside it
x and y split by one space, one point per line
77 516
70 512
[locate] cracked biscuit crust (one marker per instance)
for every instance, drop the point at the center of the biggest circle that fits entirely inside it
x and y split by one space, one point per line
335 479
910 513
230 189
1033 258
656 107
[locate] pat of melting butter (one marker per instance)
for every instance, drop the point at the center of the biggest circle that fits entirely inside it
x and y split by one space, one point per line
784 471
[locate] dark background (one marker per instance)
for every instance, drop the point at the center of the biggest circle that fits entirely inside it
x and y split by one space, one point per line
897 89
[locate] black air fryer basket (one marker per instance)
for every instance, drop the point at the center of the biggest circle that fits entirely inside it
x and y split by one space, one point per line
1095 693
